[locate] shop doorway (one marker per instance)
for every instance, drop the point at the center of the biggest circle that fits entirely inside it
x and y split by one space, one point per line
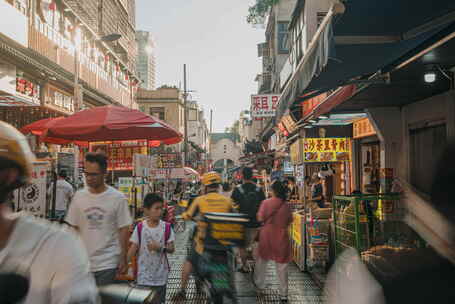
426 146
370 167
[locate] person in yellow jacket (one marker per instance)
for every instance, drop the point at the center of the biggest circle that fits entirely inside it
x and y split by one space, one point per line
212 201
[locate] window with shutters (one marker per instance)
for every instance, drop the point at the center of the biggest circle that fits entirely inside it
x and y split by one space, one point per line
283 37
158 112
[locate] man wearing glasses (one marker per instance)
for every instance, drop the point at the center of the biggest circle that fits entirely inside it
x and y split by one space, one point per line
100 213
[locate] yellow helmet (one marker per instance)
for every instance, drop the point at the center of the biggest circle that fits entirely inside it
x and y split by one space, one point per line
211 178
15 152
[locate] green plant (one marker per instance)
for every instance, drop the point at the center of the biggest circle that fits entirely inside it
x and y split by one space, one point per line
259 11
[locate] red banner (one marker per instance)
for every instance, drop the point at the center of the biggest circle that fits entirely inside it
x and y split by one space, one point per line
310 104
120 153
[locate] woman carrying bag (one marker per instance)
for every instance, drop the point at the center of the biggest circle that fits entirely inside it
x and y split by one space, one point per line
274 242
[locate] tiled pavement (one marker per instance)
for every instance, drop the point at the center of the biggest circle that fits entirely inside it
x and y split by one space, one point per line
302 289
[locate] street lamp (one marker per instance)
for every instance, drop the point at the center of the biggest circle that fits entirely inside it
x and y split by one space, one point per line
78 89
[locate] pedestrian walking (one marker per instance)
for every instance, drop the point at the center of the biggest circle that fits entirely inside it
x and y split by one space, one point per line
101 215
212 201
152 240
64 193
52 260
248 197
274 242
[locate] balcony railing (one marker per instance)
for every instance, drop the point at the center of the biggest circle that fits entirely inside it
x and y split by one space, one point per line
51 44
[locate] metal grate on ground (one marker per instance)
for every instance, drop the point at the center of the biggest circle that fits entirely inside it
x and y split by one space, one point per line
302 289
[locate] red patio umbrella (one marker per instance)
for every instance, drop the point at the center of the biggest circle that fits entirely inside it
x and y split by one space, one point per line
109 123
40 127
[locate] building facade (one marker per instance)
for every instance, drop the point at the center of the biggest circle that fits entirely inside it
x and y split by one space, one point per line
274 52
146 60
165 104
45 43
198 132
225 151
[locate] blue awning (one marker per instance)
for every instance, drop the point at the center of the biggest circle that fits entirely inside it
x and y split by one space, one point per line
370 37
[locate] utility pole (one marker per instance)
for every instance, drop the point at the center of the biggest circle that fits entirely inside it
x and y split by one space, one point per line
211 121
185 116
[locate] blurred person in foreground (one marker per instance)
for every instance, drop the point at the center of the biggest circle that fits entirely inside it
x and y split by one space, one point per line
388 275
101 215
212 201
51 258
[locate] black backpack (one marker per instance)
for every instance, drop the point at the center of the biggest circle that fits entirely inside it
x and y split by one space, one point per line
250 202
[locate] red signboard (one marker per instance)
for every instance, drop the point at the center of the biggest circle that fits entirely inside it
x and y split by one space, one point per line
120 153
310 104
264 105
28 88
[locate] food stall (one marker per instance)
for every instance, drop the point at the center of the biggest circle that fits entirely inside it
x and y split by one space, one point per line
328 158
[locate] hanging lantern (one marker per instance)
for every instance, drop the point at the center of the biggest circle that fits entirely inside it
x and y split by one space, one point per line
127 76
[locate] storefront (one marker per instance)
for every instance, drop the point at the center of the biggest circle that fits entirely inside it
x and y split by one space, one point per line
366 155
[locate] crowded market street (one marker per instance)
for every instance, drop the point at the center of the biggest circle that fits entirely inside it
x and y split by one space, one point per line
228 151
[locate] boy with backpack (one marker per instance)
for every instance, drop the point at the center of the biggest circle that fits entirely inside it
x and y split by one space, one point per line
248 198
152 240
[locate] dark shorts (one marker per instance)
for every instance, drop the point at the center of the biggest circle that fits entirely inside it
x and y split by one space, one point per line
193 257
105 277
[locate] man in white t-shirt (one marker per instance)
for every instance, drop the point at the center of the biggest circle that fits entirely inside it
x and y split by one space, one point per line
52 259
101 215
63 196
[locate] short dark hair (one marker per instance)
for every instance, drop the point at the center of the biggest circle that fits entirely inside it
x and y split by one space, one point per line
63 174
99 158
280 189
152 199
247 173
226 187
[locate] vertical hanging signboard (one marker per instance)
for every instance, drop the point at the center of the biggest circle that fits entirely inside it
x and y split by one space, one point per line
33 196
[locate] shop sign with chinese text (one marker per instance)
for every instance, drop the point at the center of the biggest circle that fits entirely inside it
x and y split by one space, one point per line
264 105
142 164
33 196
327 149
60 100
363 128
159 173
310 104
29 89
170 160
295 152
120 153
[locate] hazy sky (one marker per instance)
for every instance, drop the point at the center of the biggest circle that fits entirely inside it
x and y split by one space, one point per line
218 46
